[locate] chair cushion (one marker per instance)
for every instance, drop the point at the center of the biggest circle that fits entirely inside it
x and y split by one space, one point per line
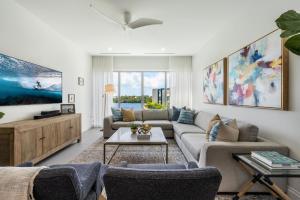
164 124
117 125
155 115
154 166
181 129
186 116
194 143
128 115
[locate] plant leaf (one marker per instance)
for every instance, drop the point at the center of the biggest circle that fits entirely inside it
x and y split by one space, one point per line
1 114
288 33
289 20
293 44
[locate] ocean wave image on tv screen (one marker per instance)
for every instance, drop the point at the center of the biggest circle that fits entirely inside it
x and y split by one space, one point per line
23 83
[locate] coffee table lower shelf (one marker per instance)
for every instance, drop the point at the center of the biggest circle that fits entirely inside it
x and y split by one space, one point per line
149 144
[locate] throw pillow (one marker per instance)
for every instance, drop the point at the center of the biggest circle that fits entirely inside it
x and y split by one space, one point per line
116 114
128 115
212 122
225 131
186 117
176 113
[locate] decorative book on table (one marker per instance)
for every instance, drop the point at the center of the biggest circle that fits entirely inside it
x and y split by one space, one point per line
275 160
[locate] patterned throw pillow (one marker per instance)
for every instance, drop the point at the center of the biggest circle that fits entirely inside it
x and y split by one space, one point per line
216 119
186 116
128 115
225 131
176 113
116 114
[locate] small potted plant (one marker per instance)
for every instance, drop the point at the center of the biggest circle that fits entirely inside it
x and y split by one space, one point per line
2 115
134 128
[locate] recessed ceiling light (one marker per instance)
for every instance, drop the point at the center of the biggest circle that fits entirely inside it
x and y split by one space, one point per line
163 49
109 49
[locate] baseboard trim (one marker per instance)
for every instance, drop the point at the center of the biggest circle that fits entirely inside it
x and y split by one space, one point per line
292 192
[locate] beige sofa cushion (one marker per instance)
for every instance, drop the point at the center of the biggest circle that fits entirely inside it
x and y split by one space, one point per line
119 124
248 132
164 124
138 115
202 119
194 143
155 115
181 129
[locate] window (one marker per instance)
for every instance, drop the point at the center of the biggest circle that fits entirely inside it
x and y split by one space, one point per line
138 90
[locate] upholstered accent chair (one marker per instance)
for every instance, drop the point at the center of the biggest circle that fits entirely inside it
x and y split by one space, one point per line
167 182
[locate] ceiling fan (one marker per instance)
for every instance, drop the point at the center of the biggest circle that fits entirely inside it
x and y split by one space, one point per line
126 23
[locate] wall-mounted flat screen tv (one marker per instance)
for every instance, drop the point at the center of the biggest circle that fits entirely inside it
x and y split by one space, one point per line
23 83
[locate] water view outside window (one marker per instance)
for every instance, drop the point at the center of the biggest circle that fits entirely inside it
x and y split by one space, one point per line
138 90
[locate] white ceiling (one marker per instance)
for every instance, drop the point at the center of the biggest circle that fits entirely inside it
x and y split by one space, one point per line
188 24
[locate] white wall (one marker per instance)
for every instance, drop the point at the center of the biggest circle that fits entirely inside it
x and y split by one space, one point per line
279 126
24 36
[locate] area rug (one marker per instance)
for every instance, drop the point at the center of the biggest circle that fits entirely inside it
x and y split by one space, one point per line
143 154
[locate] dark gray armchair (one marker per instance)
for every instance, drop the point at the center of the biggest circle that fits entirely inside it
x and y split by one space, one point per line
161 182
68 182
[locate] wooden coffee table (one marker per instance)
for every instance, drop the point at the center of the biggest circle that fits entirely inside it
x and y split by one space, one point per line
123 136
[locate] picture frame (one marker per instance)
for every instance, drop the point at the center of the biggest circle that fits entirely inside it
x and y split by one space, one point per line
67 108
258 74
71 98
214 86
80 81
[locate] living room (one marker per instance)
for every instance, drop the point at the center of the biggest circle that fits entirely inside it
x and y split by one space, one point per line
129 69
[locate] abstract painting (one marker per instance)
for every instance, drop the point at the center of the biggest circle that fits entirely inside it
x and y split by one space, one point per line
257 74
214 82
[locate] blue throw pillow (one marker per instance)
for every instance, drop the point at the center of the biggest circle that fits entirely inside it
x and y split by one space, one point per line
176 113
116 114
214 132
186 117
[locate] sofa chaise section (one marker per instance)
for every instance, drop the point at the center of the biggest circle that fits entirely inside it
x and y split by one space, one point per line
219 154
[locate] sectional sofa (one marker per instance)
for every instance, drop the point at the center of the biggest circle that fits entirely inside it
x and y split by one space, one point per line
192 141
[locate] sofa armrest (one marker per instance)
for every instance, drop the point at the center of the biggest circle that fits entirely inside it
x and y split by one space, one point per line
213 152
219 155
107 122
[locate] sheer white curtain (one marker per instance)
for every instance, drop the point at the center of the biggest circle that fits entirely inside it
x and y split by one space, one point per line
180 81
102 75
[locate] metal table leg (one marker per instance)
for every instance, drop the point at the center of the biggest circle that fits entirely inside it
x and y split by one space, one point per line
167 156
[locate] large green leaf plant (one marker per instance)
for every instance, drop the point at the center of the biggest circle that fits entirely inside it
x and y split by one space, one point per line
289 22
1 115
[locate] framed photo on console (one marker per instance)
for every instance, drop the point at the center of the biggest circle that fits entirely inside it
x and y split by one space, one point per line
258 74
67 108
214 83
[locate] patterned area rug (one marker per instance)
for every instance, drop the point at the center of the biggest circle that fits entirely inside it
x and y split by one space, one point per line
143 154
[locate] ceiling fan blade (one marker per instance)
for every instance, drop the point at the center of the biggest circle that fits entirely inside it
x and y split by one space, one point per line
144 22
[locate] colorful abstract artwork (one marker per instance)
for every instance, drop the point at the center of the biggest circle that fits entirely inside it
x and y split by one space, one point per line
255 74
214 83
